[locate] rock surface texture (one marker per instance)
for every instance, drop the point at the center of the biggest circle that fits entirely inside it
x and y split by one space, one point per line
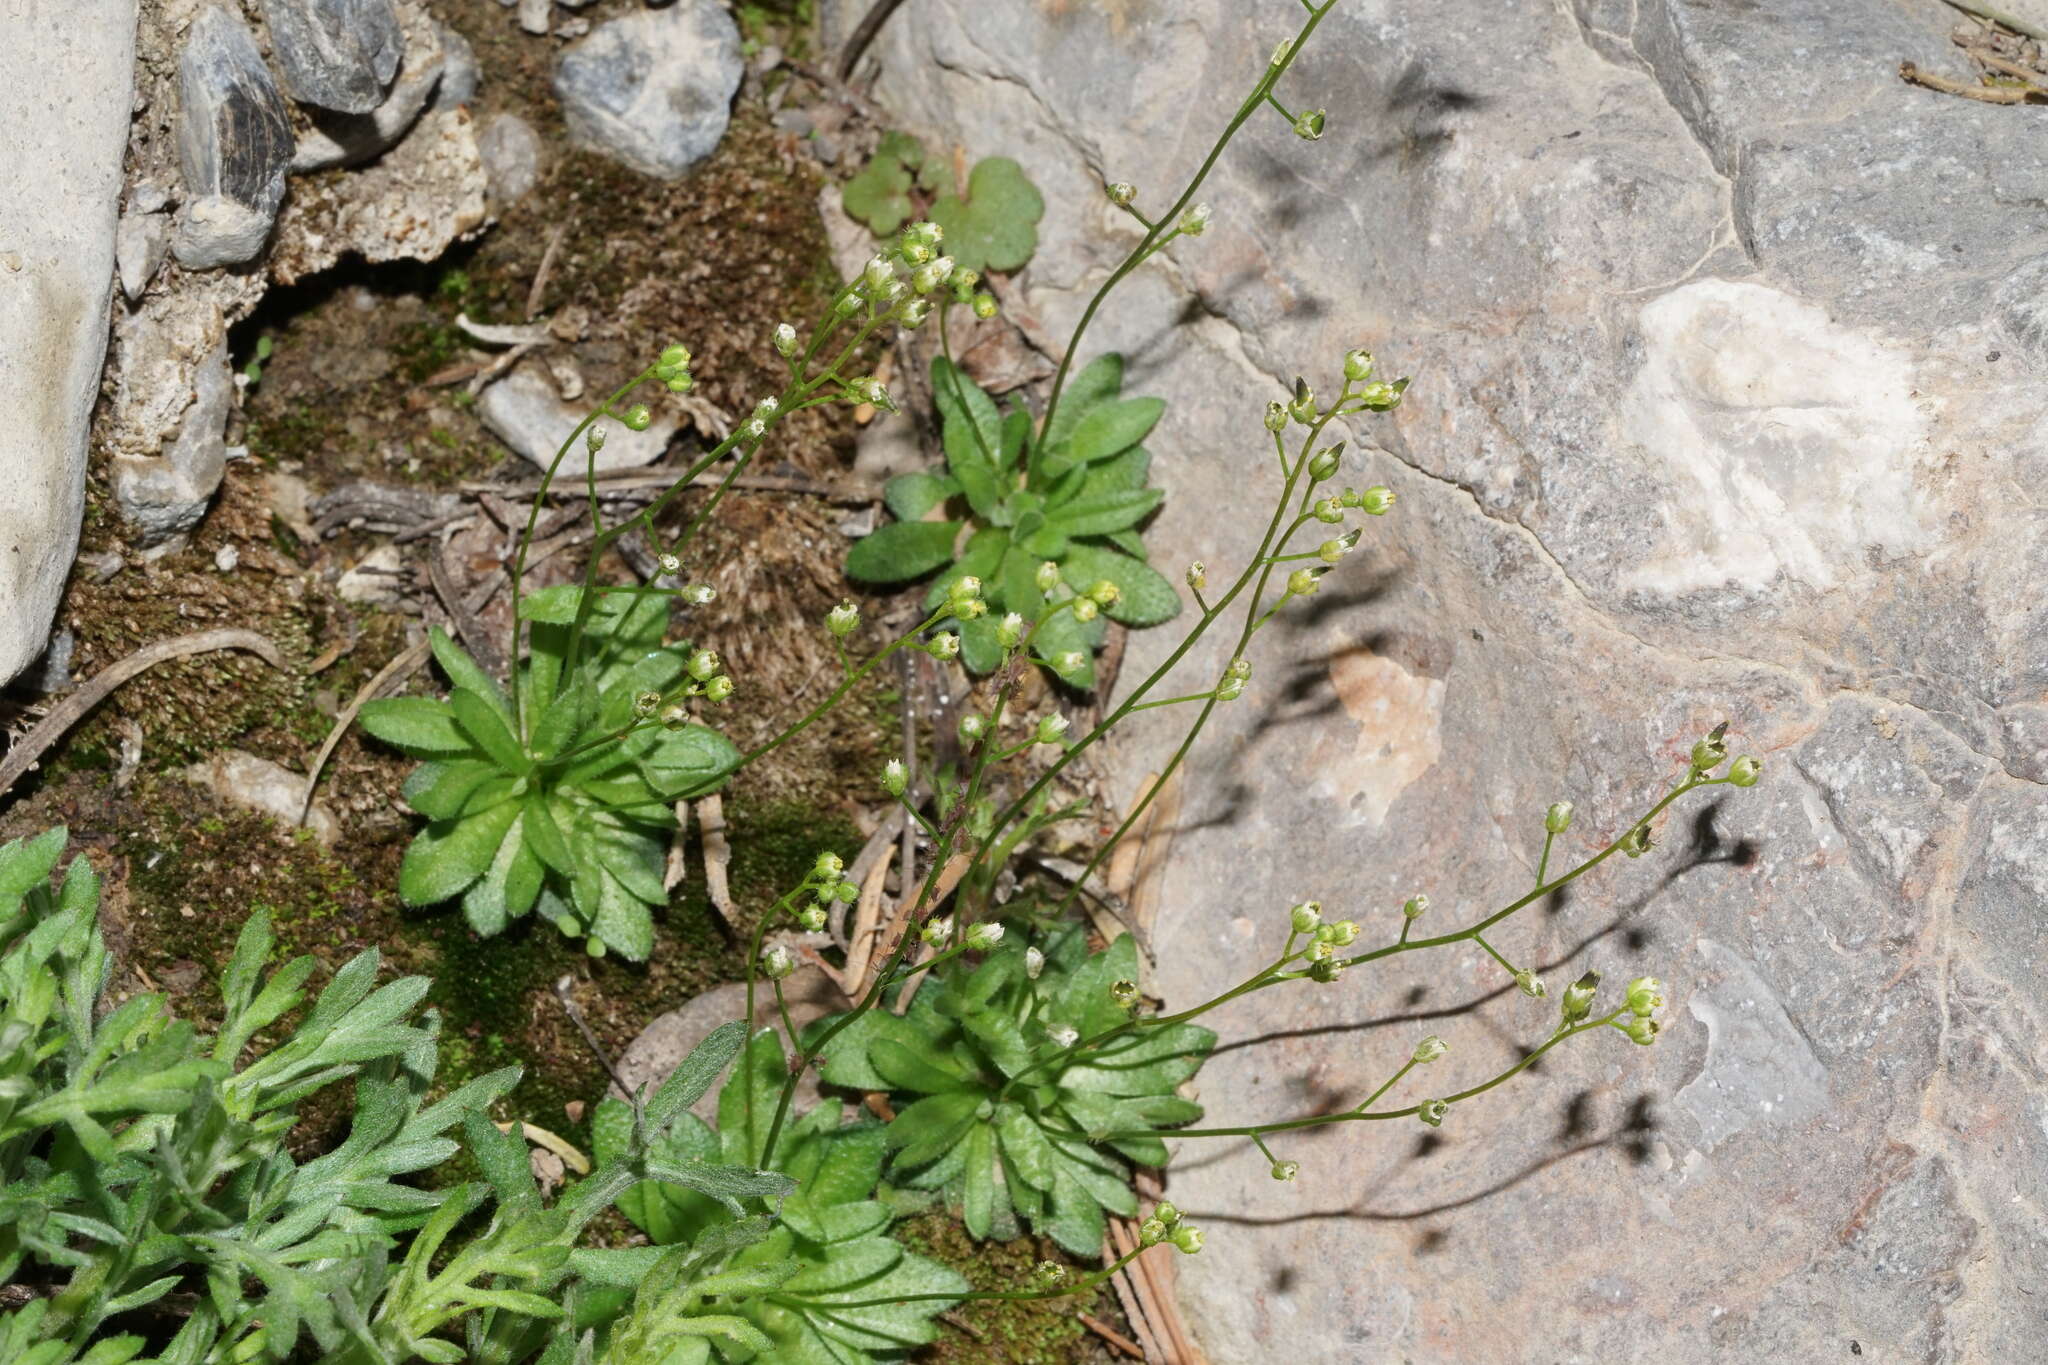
336 54
61 143
234 143
653 88
1730 352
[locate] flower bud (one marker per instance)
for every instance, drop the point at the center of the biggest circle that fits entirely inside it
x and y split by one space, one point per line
964 588
945 646
1230 689
895 777
1326 970
703 664
1085 609
1104 593
1121 193
1308 125
1051 728
1637 841
1010 630
1062 1036
843 620
785 340
647 703
776 962
1302 408
1577 1001
1303 582
880 271
985 305
1151 1232
1034 964
1195 221
718 689
1358 366
1645 996
1198 575
1641 1031
1305 917
828 866
637 417
937 930
1415 907
846 307
1377 501
1531 984
811 919
1380 397
753 429
1708 755
1124 993
1329 511
1326 463
1276 417
697 594
1072 661
1050 1273
973 728
674 717
983 937
1746 770
1558 818
1432 1112
1286 1170
1331 551
846 892
1048 576
1189 1239
593 439
1429 1049
670 565
1167 1213
676 357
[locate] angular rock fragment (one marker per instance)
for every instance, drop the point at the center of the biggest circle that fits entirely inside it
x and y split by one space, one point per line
654 88
346 139
234 144
336 54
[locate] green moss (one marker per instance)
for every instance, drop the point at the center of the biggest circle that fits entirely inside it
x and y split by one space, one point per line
1042 1332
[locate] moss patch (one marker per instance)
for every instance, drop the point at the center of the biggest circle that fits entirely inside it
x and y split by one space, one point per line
1045 1332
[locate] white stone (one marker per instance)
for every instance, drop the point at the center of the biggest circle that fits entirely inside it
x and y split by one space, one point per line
525 412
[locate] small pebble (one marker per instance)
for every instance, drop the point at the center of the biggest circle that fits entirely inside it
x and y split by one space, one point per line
226 558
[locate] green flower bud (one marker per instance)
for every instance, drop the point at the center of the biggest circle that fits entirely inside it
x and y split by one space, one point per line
697 594
1085 609
1377 501
1641 1031
647 703
674 717
1121 193
1326 463
1072 661
777 963
1415 907
1151 1232
1195 221
703 664
945 646
983 937
1198 575
681 383
1104 593
1746 771
1240 667
593 439
1010 630
1331 551
1034 964
937 930
1188 1239
843 620
1306 916
1328 511
879 273
718 689
1531 984
847 306
1276 417
973 728
1167 1214
1286 1170
1429 1049
1432 1112
828 866
965 588
1637 841
670 565
811 919
637 417
1048 576
785 340
1358 366
1577 1002
1645 996
1326 970
1124 993
1381 397
846 892
676 357
985 305
973 609
1303 582
1308 125
1558 818
1343 933
1230 689
1050 1273
1303 407
1051 728
895 777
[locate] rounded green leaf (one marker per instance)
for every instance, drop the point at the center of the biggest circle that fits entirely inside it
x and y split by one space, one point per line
995 227
902 551
1144 598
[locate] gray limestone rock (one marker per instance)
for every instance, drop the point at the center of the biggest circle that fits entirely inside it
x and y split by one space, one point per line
336 54
164 497
654 88
1725 398
341 139
512 154
141 242
62 138
525 411
234 144
460 74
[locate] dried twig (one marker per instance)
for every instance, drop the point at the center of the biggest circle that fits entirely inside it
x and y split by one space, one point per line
547 267
1988 94
400 666
864 33
717 857
30 747
1111 1335
851 491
